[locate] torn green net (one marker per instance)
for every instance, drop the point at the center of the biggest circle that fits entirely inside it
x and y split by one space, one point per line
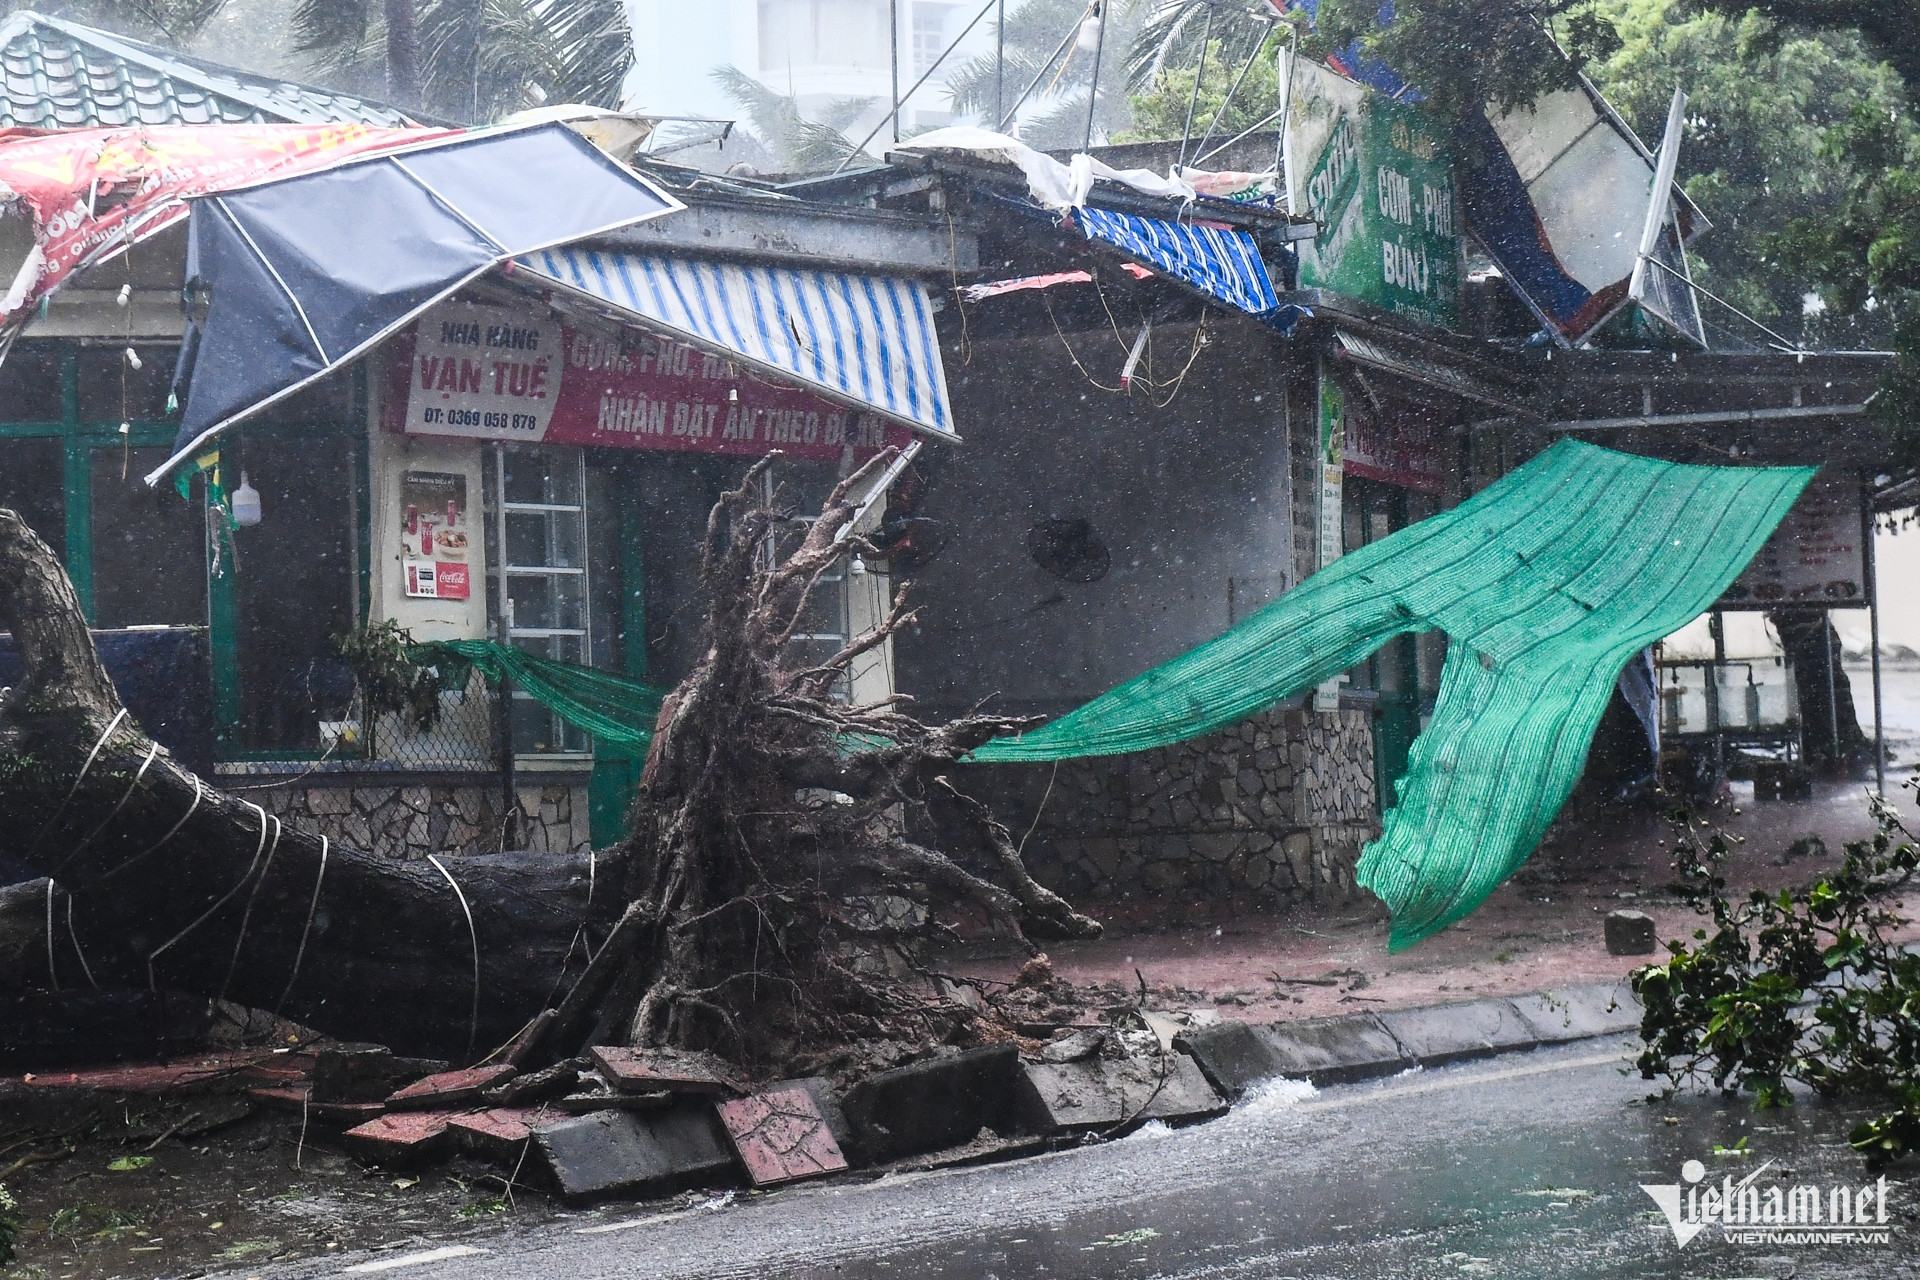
1547 581
613 708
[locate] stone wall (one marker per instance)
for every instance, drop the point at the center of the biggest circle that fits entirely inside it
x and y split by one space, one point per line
409 822
1275 808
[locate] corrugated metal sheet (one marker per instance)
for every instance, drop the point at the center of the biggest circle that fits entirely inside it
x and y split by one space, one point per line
1547 582
865 340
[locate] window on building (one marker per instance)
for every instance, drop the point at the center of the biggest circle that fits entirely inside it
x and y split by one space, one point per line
32 476
536 507
929 35
149 547
796 34
825 624
294 586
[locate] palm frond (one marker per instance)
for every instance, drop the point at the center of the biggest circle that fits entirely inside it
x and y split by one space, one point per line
801 145
1171 34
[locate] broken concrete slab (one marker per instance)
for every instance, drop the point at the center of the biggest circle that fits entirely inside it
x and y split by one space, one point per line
1453 1032
1236 1055
555 1081
1630 933
1110 1092
934 1103
366 1072
780 1136
1074 1046
400 1138
596 1094
614 1152
299 1101
499 1134
1575 1013
449 1090
668 1070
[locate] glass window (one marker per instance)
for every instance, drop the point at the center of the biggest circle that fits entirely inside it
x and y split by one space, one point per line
294 587
30 383
536 497
149 547
823 33
112 390
929 35
32 475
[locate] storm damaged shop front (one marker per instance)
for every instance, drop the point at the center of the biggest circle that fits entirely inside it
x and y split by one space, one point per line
422 398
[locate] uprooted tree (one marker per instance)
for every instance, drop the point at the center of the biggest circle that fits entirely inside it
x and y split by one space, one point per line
766 904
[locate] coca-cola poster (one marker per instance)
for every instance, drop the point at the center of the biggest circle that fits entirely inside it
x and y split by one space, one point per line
435 525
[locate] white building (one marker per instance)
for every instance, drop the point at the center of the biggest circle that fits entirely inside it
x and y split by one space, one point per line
818 51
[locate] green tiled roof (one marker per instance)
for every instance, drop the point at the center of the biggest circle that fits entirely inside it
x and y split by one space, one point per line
59 74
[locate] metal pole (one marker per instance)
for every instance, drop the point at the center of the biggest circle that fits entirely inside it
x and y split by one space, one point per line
1719 628
1232 89
1000 62
894 115
1199 73
1034 83
1833 698
893 25
510 812
1093 92
1873 624
1282 167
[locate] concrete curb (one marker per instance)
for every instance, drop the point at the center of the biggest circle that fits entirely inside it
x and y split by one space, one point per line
1235 1056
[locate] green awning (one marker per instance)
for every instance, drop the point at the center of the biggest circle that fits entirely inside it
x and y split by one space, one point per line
1547 581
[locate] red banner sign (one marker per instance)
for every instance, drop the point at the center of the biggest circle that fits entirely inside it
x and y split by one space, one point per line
90 192
1399 444
491 373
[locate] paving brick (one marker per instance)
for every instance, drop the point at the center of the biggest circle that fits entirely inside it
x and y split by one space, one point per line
657 1070
401 1137
935 1103
1575 1013
826 1100
555 1081
449 1090
624 1152
297 1101
1103 1093
500 1134
365 1072
1452 1032
781 1136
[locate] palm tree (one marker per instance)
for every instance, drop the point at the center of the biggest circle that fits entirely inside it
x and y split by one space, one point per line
473 59
171 22
1055 114
1173 31
798 145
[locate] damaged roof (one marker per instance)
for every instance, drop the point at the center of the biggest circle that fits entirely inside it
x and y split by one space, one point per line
59 74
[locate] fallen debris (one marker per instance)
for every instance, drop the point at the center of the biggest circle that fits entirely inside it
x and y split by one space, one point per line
622 1152
781 1136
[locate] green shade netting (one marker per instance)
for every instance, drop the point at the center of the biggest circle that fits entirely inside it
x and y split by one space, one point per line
1547 581
614 709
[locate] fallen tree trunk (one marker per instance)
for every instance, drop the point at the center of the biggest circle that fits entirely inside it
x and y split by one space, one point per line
176 884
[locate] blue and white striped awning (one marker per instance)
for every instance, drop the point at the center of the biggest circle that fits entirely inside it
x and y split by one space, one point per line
1222 263
865 341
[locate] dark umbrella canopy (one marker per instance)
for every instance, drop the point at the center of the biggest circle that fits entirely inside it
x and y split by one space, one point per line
303 275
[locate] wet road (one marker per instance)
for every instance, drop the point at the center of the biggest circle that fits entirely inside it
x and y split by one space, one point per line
1524 1166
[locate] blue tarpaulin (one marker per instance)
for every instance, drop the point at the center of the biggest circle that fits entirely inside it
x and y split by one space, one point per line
1222 263
303 275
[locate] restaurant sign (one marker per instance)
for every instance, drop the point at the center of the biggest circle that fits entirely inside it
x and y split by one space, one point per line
495 373
1377 175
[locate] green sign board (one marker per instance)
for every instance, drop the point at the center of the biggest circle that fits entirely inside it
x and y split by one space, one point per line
1382 190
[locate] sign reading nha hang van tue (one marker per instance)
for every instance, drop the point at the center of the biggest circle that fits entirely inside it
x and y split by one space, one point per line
1378 177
